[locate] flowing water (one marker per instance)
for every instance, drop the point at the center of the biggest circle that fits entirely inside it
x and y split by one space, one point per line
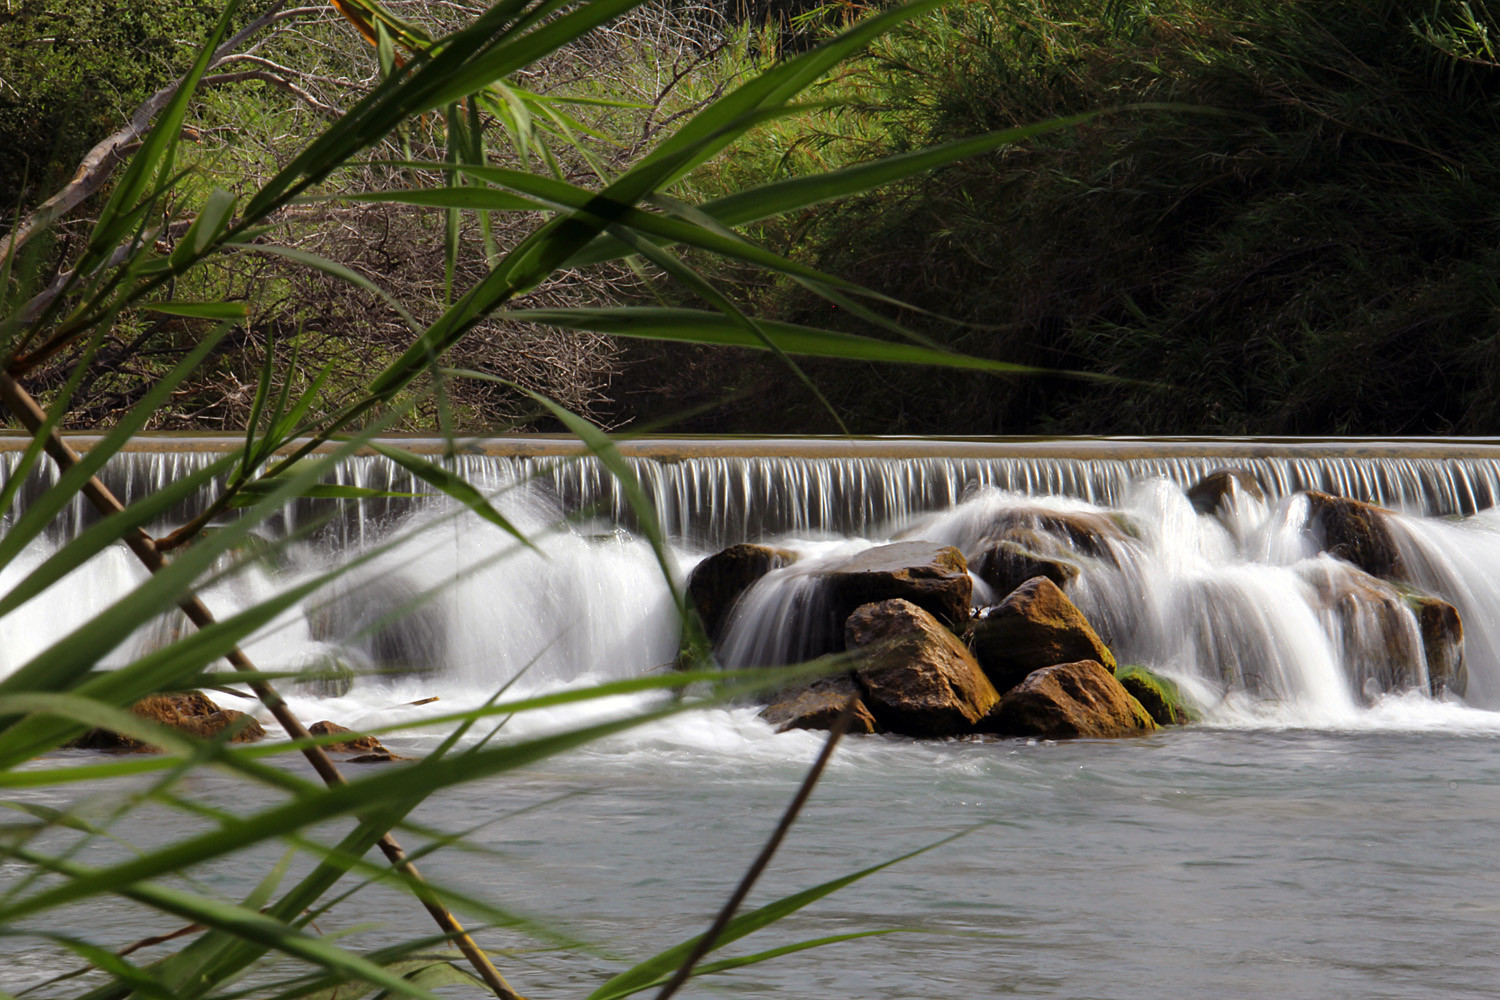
1329 829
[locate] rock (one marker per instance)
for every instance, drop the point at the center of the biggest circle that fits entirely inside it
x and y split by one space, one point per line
1035 626
388 619
1085 533
1160 697
325 676
1355 532
1008 563
933 577
1377 633
1222 487
190 712
360 744
1068 700
817 705
717 582
918 678
1442 633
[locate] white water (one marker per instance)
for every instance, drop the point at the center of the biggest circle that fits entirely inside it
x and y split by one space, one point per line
1313 839
1237 606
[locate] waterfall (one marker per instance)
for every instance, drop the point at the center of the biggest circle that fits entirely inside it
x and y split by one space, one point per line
1242 606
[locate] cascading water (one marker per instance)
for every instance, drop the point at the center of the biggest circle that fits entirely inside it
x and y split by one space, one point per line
1242 606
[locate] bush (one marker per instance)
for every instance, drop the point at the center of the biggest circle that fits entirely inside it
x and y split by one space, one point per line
1318 257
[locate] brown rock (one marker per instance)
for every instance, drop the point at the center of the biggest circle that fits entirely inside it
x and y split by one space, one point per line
1442 644
1036 626
1069 700
360 744
717 582
918 679
1378 635
190 712
1008 563
817 705
933 577
1222 487
1355 532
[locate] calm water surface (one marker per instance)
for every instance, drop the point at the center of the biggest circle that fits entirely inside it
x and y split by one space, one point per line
1213 862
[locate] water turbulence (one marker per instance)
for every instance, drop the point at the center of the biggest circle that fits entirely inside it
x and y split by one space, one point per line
1265 593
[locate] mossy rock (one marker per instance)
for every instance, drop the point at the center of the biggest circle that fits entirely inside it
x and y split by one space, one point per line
1159 696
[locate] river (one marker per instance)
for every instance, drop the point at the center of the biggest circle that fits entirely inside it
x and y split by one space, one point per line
1310 838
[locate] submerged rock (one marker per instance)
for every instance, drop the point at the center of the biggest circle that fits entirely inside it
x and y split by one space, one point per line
1086 533
189 712
1221 488
388 619
325 676
1160 697
817 705
1008 563
918 678
1355 532
1035 626
718 582
1069 700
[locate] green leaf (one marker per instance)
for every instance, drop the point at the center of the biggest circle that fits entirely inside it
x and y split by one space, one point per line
200 310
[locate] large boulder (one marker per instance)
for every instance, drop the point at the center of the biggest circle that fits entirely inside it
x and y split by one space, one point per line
1222 488
718 582
818 704
190 712
1069 700
1442 634
1035 626
1160 697
1010 562
918 678
933 577
1356 532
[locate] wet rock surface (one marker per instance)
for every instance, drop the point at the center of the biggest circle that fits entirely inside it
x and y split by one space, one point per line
1035 626
1007 564
917 677
1355 532
718 582
1069 700
818 704
1221 488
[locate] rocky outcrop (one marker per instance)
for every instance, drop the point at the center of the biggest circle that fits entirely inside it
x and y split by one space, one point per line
718 582
1160 697
189 712
1221 488
1008 563
1355 532
818 704
1035 626
1069 700
917 677
327 676
1442 634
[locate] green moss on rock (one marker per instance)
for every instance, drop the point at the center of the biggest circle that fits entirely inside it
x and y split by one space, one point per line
1160 697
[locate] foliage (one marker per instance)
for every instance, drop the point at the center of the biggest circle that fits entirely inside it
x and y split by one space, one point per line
1316 258
147 264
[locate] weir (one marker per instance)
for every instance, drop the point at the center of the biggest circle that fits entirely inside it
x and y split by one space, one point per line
1243 605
